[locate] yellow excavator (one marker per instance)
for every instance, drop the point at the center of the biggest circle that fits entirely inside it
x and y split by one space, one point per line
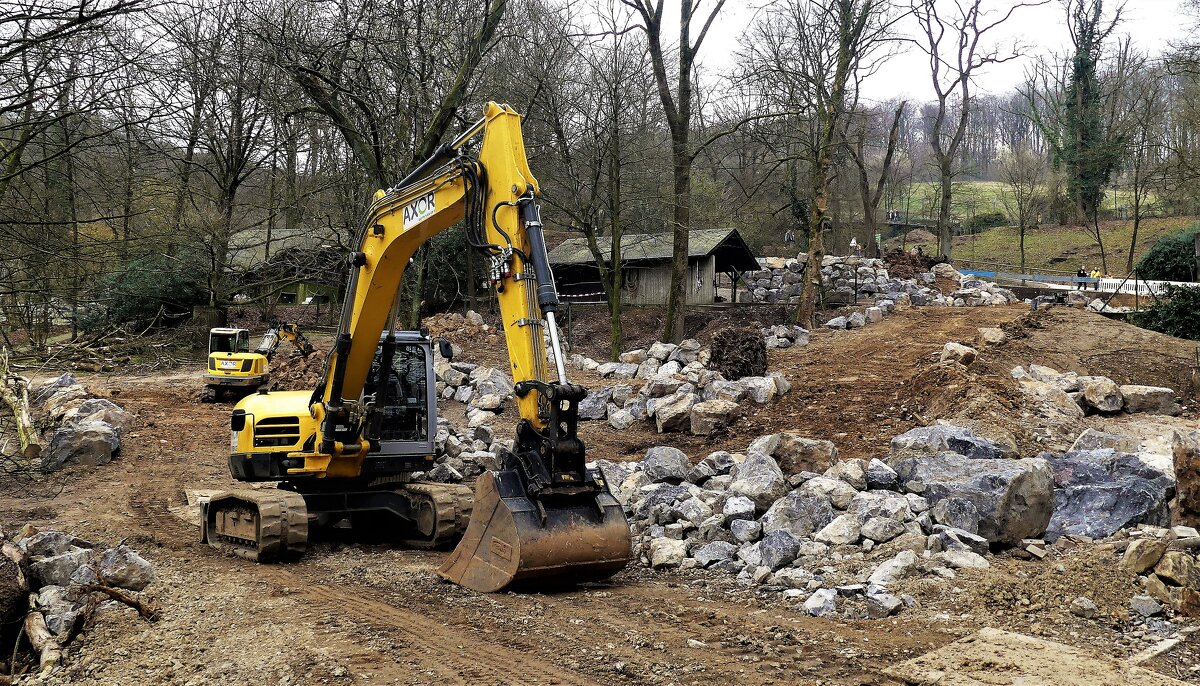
352 449
232 368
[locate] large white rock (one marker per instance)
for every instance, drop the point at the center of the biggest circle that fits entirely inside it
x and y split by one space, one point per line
844 530
1151 399
760 479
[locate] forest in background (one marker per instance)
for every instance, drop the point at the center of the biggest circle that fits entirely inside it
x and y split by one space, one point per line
159 159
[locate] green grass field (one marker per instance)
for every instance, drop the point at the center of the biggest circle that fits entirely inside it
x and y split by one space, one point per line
1059 248
973 198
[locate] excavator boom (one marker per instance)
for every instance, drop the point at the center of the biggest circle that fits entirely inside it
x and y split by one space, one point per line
543 513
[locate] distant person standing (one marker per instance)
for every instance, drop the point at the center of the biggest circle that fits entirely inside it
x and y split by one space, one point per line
1096 276
1080 275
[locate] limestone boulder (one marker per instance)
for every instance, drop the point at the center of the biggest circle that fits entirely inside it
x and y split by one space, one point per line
1099 492
1014 498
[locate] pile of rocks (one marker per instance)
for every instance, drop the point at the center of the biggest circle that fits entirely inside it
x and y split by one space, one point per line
1094 394
78 428
464 453
292 370
850 277
52 579
485 390
784 336
679 391
1166 561
855 531
843 540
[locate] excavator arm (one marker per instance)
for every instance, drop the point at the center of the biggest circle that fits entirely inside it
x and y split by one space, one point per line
543 512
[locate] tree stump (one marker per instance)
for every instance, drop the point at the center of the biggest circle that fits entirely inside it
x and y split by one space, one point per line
738 352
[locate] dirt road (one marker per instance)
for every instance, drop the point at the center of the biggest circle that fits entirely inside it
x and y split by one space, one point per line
351 613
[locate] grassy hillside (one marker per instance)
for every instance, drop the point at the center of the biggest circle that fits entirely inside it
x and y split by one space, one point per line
1060 248
980 197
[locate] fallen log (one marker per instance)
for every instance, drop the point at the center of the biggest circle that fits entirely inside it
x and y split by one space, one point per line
148 611
14 391
47 646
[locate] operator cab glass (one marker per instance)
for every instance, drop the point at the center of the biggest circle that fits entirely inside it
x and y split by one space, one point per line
404 403
229 342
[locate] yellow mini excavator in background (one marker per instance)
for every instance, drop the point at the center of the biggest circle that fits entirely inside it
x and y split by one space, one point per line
350 449
233 368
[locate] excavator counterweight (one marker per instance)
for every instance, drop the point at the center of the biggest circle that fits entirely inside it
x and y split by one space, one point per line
354 448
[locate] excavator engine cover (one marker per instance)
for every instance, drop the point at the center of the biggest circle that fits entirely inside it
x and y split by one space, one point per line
514 538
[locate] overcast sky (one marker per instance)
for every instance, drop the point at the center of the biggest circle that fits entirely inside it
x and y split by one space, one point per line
1153 24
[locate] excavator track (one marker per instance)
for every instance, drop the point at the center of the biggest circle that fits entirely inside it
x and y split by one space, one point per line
441 513
264 526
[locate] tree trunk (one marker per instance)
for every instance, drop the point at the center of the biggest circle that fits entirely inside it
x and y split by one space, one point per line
615 231
681 220
945 231
816 242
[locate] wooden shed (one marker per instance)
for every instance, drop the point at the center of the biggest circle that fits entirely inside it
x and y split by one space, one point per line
646 264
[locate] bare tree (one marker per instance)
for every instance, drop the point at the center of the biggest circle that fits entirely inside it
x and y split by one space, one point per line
1023 173
954 42
818 51
677 107
871 197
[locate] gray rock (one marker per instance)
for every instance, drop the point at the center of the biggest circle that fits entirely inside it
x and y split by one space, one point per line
760 389
692 511
666 464
57 570
759 479
673 413
881 476
822 603
711 415
887 504
101 410
444 474
50 543
1084 607
1100 492
1014 498
594 405
1151 399
714 552
667 552
853 472
959 513
894 569
882 529
1094 439
1101 393
617 370
963 559
739 507
843 530
621 420
1145 606
778 549
492 402
491 381
944 437
88 443
733 391
661 351
661 387
745 530
799 513
856 320
796 454
956 352
884 604
950 538
633 356
836 323
839 493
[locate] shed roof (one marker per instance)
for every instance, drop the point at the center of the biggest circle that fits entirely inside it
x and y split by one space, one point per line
727 245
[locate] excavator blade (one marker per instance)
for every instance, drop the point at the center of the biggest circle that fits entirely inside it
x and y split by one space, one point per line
512 538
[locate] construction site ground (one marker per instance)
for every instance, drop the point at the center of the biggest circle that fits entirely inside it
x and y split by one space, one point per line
353 613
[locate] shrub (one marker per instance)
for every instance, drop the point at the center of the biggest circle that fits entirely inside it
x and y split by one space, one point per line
148 284
1177 313
1171 258
987 220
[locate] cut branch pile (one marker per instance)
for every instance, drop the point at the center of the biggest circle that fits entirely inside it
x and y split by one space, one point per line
14 391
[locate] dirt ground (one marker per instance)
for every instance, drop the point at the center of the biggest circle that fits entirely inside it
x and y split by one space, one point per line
349 613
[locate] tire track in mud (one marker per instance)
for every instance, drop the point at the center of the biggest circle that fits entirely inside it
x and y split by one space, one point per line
436 644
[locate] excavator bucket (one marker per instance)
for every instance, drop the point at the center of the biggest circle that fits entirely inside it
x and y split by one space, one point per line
512 538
